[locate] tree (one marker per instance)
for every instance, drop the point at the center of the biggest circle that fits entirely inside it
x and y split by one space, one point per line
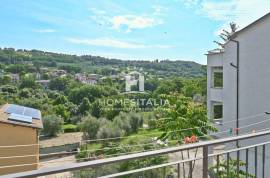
182 118
25 93
60 83
28 82
226 35
62 111
190 88
89 126
52 125
76 95
123 122
96 109
71 69
136 121
11 89
85 106
181 114
61 99
6 79
151 84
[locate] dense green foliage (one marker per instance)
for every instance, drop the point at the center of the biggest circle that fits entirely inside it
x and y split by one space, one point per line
94 64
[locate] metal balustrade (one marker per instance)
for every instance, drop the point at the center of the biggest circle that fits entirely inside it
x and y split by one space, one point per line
220 160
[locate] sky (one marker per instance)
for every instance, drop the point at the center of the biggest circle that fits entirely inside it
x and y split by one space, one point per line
124 29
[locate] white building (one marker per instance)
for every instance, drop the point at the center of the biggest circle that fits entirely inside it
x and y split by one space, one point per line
15 78
90 79
59 73
253 80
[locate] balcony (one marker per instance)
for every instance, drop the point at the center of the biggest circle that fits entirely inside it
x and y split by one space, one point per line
245 161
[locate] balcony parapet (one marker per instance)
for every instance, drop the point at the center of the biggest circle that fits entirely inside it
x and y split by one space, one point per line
204 145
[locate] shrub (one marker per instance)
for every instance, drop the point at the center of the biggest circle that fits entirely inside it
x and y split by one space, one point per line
25 93
123 122
89 126
103 121
75 119
70 128
52 125
152 124
110 130
136 121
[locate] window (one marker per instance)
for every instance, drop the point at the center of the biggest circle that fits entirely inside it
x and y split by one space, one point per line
218 109
217 77
218 80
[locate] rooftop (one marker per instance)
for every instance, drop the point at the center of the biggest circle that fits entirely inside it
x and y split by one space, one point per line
215 51
28 117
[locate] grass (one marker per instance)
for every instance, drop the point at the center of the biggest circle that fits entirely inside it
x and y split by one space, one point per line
142 138
135 138
70 128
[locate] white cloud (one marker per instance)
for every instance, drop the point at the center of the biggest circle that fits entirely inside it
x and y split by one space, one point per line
45 30
133 22
129 21
189 3
159 10
242 12
97 11
114 43
218 10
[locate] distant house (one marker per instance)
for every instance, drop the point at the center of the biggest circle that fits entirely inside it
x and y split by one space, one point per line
94 76
37 76
59 73
90 79
15 78
30 63
44 69
44 83
112 77
19 126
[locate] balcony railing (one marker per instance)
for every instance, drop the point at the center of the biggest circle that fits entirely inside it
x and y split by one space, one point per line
221 162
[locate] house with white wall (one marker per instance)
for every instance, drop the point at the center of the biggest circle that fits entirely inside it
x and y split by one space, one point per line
238 84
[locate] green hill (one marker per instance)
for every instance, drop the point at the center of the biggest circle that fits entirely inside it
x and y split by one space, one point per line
97 64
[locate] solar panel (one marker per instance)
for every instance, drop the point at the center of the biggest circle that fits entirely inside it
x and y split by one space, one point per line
34 113
20 118
14 109
25 111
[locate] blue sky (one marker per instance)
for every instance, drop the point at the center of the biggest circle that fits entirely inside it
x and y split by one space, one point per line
125 29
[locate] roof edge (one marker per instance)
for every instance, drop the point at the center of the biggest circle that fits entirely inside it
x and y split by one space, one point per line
250 25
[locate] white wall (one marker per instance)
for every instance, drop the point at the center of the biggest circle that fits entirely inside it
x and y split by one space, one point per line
213 60
254 83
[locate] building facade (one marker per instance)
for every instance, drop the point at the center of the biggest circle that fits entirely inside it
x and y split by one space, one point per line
242 95
19 141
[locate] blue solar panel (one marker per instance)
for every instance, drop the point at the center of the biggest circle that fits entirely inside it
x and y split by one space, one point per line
32 112
14 109
25 111
20 118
